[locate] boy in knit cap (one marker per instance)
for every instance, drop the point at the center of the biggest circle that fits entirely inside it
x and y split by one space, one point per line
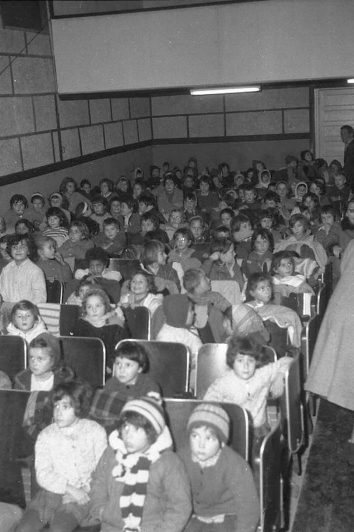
140 484
223 491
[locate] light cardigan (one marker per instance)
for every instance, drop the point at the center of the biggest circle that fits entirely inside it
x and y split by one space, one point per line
252 393
25 281
69 455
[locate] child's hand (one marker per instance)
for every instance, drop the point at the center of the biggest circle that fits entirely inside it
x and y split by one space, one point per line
75 494
215 256
337 251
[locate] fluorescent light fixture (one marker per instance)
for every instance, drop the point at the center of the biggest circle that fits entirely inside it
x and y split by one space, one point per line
350 80
225 90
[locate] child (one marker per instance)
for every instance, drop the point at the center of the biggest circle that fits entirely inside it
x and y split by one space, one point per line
267 220
114 207
26 321
207 199
176 220
57 225
242 231
190 208
198 228
69 190
139 483
223 491
97 259
285 279
139 292
170 197
83 214
259 295
183 253
59 201
128 218
99 320
18 205
113 240
21 278
260 258
24 227
221 264
339 193
99 205
85 188
50 262
36 214
78 244
329 219
153 259
78 295
106 188
251 201
248 380
149 223
44 371
66 454
287 203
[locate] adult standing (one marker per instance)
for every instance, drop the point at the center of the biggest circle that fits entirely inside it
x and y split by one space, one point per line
347 135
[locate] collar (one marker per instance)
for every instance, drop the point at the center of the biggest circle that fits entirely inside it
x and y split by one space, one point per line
207 463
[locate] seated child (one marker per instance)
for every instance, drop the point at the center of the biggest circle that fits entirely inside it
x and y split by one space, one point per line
36 213
242 231
100 321
44 371
100 213
112 239
183 253
78 295
50 261
260 257
78 244
139 292
149 223
190 208
66 454
329 224
176 220
21 278
140 483
224 495
17 210
26 321
221 264
57 225
97 259
200 237
128 218
285 279
83 214
251 201
267 220
248 380
153 260
259 295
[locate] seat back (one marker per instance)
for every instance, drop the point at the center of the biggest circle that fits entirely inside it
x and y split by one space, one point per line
50 314
86 356
179 410
55 291
308 341
278 337
139 322
127 267
168 365
13 355
322 301
292 406
69 315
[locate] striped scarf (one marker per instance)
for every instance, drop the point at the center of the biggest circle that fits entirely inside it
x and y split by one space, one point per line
134 469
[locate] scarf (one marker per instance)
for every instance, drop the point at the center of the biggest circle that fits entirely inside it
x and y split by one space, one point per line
134 469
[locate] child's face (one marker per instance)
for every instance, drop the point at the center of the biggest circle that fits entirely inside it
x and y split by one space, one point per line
134 438
95 307
301 191
270 204
56 201
19 252
204 443
18 207
298 230
189 204
123 185
47 251
239 180
22 229
64 413
285 268
203 286
98 208
282 190
137 191
96 267
327 218
139 285
110 231
175 218
70 188
161 258
115 207
40 361
188 182
267 223
261 245
315 189
263 292
204 187
125 210
339 180
37 204
350 212
54 222
155 173
241 194
196 229
142 208
24 320
126 370
226 219
182 242
83 291
249 196
244 366
229 256
169 186
309 202
104 189
146 226
75 234
86 187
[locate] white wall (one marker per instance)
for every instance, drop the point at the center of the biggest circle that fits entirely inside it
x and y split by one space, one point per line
277 40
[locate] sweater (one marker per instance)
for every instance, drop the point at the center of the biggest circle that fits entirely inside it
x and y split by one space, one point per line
25 281
53 269
77 249
224 488
167 506
38 328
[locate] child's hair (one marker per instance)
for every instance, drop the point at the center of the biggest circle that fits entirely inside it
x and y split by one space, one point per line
151 217
264 234
237 221
96 253
81 209
227 210
197 218
271 196
150 251
147 200
65 182
267 213
78 391
59 213
82 227
18 198
190 196
25 222
250 188
99 293
278 257
246 345
108 182
312 196
253 281
84 182
192 278
130 202
37 195
184 232
149 279
206 179
25 305
41 240
221 229
99 199
133 351
145 413
299 218
47 341
83 282
221 245
111 221
330 209
16 239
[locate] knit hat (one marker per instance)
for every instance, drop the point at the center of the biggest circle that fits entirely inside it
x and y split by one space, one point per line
53 343
212 416
149 408
176 307
290 158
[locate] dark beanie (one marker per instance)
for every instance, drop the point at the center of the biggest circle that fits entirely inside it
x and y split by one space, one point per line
176 309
